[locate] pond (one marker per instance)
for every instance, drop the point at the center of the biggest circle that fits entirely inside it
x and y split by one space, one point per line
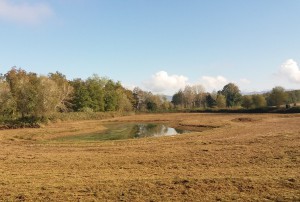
121 131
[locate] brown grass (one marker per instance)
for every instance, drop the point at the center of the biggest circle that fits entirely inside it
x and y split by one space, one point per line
242 157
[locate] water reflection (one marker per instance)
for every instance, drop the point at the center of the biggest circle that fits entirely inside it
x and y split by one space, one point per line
148 130
127 131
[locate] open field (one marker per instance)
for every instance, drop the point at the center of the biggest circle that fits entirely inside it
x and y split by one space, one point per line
243 157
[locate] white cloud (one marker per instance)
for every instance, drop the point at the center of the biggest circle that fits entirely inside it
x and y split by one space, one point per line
213 83
245 81
162 82
23 12
290 70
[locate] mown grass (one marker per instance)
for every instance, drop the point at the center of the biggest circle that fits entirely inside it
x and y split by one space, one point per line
244 157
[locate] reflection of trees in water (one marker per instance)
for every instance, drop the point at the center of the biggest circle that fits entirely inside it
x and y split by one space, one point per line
147 130
135 131
179 131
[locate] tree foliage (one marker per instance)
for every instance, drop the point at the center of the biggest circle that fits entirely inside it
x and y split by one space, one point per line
247 101
259 101
7 103
221 101
232 94
211 99
277 97
178 99
293 96
26 94
63 90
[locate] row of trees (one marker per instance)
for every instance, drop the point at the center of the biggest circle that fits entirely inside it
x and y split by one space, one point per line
99 94
28 94
24 94
147 101
230 96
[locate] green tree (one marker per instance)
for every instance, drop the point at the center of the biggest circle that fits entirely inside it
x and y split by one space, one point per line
232 94
211 100
178 99
259 101
277 97
81 98
247 101
24 90
89 95
95 87
31 94
153 102
7 103
111 96
221 101
123 103
294 96
130 96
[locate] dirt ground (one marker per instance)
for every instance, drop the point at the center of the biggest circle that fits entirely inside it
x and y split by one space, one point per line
241 157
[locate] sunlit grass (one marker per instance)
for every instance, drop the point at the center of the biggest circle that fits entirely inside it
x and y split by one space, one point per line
243 157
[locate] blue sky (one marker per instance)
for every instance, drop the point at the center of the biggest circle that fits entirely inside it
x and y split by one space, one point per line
159 45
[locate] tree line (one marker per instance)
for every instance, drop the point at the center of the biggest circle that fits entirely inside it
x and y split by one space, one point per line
230 97
27 94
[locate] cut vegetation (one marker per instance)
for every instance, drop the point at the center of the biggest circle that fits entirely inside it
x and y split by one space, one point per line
240 157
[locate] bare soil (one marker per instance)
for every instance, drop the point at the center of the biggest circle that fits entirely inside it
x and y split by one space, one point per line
241 157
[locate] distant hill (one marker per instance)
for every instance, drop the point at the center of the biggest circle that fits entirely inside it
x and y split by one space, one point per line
264 92
169 97
255 92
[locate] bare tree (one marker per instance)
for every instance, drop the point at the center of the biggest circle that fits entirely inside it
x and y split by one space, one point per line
199 93
189 96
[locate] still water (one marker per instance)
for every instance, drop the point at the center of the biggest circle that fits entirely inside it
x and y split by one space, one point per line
127 131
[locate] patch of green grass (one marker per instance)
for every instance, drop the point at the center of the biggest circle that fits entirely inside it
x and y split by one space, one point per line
114 132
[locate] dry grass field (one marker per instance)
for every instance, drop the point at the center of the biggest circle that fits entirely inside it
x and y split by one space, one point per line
240 157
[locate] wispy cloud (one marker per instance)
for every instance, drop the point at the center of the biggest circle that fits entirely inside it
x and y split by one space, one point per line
162 82
290 70
24 12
